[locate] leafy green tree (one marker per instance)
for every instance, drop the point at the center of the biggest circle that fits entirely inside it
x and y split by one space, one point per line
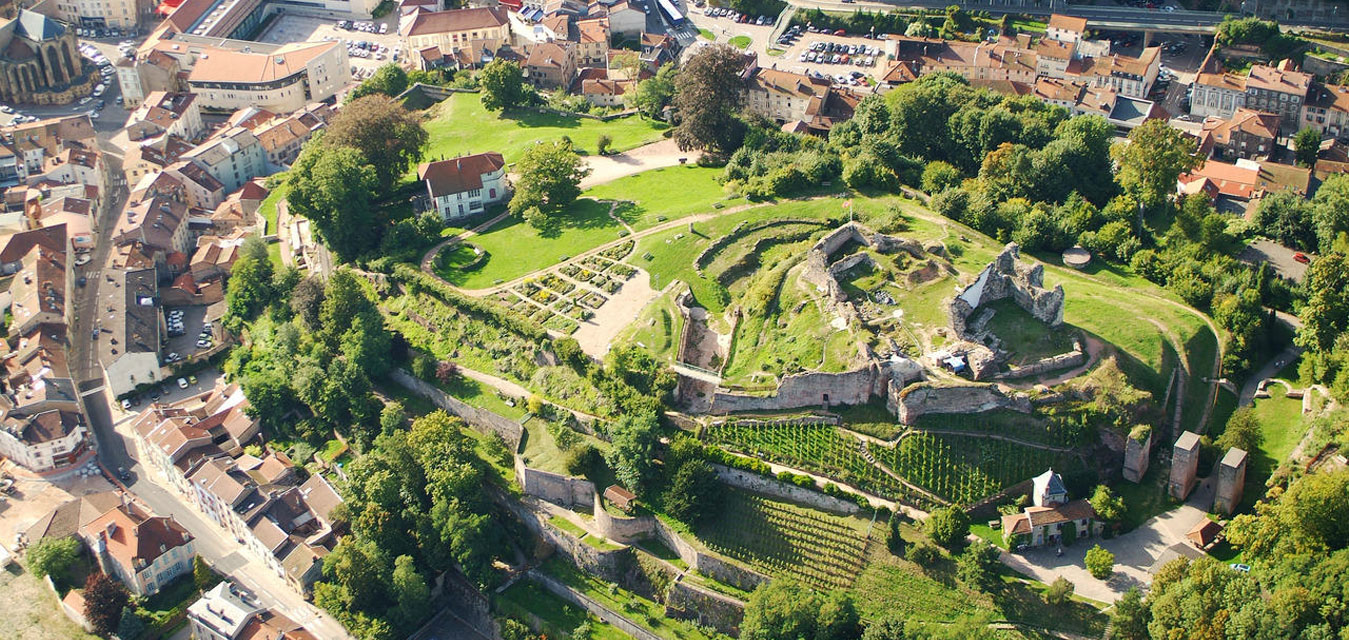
602 143
1242 431
549 180
366 344
947 526
939 176
786 609
923 554
389 80
333 187
306 299
249 288
1330 210
389 137
652 95
343 301
1325 314
393 417
1152 159
503 86
708 94
53 557
129 625
694 494
1287 218
409 590
104 600
634 439
1307 145
1059 592
977 566
895 541
888 628
1108 506
1130 616
1100 562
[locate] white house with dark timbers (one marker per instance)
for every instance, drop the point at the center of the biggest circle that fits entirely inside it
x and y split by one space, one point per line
464 186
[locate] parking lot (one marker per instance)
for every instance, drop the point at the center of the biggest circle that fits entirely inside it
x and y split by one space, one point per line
787 57
186 343
293 28
168 392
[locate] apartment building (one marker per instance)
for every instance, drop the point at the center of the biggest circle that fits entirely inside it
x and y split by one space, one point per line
144 551
480 29
281 81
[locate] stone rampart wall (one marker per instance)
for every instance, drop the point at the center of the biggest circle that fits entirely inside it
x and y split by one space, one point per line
708 608
922 398
807 389
774 488
480 419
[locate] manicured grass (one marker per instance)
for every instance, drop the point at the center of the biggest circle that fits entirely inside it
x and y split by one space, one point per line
460 126
740 42
331 449
268 206
660 195
1280 422
642 612
515 248
707 35
542 451
658 329
557 617
274 255
566 525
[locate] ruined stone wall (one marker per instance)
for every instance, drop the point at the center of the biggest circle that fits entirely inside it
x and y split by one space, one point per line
1045 365
682 303
774 488
1003 278
1137 448
556 488
922 398
558 588
620 528
806 389
707 608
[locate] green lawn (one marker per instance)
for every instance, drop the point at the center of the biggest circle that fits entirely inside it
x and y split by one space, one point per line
1026 338
461 126
515 248
707 35
1280 422
268 206
665 194
557 618
658 329
740 42
331 449
542 451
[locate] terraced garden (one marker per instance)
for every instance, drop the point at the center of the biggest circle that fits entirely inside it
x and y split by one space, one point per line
819 549
967 469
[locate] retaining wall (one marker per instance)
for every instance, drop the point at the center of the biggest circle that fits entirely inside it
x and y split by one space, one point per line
620 528
715 568
807 389
689 602
774 488
556 488
922 398
1045 365
481 419
579 599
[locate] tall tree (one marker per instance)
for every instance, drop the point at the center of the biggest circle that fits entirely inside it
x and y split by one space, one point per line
332 186
1130 616
306 299
389 80
708 93
1155 155
1325 314
53 556
549 179
1287 218
1307 145
503 85
1242 431
249 287
694 494
1330 210
634 439
104 599
947 526
654 94
1100 562
409 591
388 136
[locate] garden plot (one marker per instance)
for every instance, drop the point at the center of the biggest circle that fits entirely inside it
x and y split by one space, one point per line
822 550
568 298
967 469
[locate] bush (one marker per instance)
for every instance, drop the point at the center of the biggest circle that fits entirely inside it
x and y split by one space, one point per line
947 526
1100 563
1059 592
53 557
923 554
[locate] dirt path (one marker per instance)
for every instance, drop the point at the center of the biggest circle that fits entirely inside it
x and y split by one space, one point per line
656 155
613 316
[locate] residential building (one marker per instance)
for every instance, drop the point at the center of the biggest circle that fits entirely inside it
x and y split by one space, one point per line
158 225
603 92
657 50
41 63
239 210
152 155
1327 110
1280 90
232 156
784 96
592 38
216 255
1065 28
155 71
130 335
974 61
551 65
463 186
282 136
1050 516
166 113
624 19
26 148
144 551
201 190
1247 134
1128 76
476 30
66 520
116 14
226 612
281 81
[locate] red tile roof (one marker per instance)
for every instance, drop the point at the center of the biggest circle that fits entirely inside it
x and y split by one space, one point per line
458 175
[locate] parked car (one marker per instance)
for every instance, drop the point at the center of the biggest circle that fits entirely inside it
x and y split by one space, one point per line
1301 257
126 404
1243 568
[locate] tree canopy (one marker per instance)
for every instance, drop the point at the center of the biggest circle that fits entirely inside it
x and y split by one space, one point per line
333 186
550 175
707 97
389 137
1155 155
503 86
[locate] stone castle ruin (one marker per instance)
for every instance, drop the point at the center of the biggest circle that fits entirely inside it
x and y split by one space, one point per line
1005 277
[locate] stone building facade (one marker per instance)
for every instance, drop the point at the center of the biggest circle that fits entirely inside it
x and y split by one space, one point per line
40 62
